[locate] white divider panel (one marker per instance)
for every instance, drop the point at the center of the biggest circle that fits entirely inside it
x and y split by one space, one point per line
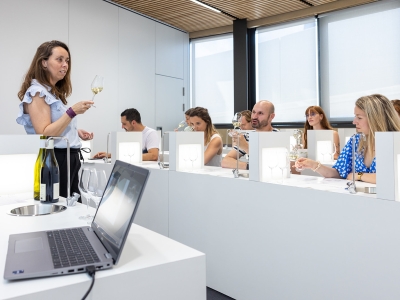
126 146
387 148
18 155
344 135
186 150
19 144
320 145
262 144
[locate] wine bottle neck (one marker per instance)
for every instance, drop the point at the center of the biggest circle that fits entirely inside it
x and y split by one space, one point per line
50 144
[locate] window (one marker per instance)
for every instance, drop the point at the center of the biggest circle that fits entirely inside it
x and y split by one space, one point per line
286 66
359 56
212 76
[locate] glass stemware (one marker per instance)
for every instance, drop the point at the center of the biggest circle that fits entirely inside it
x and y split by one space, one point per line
83 188
283 162
237 120
272 163
182 124
131 153
333 152
192 155
96 186
97 86
185 157
324 151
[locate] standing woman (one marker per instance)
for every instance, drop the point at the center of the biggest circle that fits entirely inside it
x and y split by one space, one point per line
372 114
201 121
316 120
43 107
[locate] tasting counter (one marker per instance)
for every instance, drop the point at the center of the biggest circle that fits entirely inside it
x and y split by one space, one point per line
307 238
151 266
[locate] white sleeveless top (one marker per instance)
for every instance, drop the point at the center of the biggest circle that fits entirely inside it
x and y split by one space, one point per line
216 160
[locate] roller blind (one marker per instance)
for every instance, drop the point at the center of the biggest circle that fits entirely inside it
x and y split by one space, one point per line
212 76
286 66
360 55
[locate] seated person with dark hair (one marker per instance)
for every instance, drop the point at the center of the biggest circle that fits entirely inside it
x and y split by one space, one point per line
131 121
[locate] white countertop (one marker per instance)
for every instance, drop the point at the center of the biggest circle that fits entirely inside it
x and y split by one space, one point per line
303 181
143 250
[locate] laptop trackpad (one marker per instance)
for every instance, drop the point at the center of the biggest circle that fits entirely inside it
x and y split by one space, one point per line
27 245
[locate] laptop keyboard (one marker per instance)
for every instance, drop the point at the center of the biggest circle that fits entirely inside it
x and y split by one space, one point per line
70 247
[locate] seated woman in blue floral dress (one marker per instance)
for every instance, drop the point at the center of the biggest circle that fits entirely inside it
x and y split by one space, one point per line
372 113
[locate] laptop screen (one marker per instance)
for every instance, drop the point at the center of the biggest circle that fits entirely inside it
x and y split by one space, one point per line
118 206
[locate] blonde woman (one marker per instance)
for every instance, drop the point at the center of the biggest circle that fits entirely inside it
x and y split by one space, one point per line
200 120
316 120
373 113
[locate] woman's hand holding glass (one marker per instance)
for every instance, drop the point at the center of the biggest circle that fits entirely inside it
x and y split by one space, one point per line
81 107
305 163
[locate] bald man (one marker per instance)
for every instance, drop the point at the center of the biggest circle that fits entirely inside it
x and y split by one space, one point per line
261 117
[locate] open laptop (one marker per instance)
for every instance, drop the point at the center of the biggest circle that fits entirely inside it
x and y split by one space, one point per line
39 254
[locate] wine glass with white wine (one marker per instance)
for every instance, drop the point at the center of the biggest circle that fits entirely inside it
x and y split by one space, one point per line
97 86
182 125
237 120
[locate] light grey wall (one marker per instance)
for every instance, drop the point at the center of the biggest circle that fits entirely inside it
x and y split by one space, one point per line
129 50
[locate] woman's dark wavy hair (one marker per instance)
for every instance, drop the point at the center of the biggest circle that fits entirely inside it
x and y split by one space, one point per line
63 88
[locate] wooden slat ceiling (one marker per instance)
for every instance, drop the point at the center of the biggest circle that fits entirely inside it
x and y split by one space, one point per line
191 17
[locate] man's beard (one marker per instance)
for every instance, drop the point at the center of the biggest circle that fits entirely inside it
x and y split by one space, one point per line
259 124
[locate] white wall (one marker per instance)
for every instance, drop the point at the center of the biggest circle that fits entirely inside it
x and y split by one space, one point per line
126 48
24 25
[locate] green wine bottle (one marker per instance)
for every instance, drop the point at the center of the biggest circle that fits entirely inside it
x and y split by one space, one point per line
49 176
38 163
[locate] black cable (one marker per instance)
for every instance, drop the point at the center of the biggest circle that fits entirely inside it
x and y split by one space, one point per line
91 270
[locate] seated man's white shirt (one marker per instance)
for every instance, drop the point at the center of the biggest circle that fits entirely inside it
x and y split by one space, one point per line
150 139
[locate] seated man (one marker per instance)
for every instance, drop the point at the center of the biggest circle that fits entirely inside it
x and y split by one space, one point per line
131 121
261 118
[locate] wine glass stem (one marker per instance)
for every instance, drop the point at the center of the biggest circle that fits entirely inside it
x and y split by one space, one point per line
93 100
